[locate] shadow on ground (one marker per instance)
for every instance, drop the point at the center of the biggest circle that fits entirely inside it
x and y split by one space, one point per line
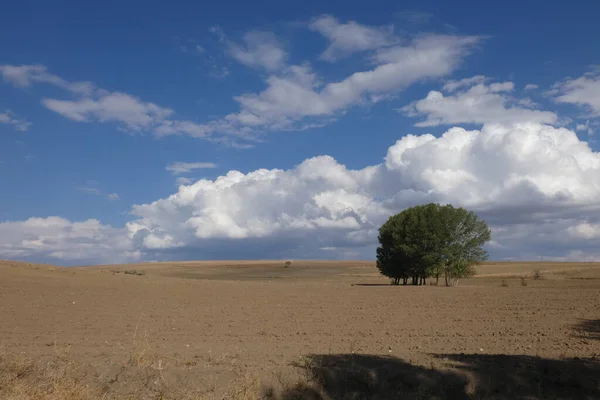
499 376
455 376
371 284
588 329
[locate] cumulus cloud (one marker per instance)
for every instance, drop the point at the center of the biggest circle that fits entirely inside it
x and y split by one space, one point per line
185 167
583 91
259 50
473 101
350 37
531 86
61 241
10 118
534 184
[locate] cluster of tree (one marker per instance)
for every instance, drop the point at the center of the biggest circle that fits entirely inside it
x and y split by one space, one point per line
431 240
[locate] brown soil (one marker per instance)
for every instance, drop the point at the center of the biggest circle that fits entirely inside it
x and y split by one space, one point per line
217 328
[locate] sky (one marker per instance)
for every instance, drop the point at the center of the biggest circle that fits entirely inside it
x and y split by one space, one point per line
152 131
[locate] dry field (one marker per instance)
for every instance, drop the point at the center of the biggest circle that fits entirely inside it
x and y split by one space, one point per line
315 330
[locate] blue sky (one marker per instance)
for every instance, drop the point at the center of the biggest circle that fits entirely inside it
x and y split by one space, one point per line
153 131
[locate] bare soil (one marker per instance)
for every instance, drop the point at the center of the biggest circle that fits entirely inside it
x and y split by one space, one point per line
321 330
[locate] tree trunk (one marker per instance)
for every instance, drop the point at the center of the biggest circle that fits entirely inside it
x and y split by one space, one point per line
404 281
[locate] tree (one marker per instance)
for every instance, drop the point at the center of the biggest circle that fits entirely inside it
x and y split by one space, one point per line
431 240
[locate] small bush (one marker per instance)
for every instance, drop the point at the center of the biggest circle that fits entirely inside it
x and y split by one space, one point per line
504 283
537 275
133 272
523 282
287 264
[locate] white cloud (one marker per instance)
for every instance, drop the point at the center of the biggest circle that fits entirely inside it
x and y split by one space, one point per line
260 49
350 37
583 91
175 127
536 185
92 103
451 86
10 118
531 86
182 180
185 167
299 94
26 75
98 105
293 93
585 230
586 127
58 240
533 183
95 104
472 101
97 192
219 72
90 190
111 107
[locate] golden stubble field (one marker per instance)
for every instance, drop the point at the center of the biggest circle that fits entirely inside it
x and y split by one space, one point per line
318 330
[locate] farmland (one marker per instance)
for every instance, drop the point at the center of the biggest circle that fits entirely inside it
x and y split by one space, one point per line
246 328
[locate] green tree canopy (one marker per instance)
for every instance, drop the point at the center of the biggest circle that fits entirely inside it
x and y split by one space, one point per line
431 240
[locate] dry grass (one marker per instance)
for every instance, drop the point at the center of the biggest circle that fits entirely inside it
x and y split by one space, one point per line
247 387
133 272
523 281
143 374
23 378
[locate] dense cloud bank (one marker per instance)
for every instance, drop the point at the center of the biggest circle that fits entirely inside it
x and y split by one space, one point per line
537 185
